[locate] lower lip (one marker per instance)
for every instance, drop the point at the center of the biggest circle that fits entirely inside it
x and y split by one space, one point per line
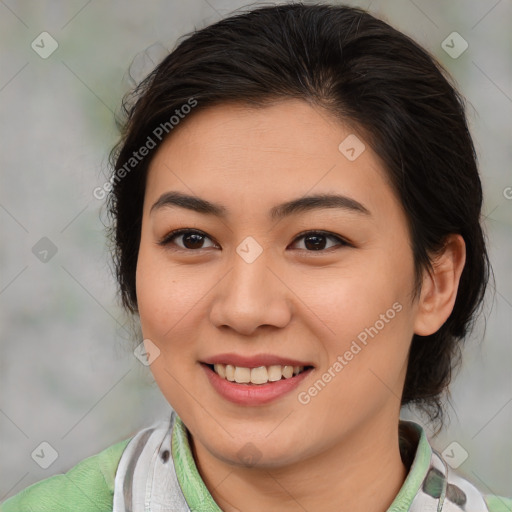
253 394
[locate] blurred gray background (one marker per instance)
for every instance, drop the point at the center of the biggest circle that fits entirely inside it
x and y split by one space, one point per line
68 375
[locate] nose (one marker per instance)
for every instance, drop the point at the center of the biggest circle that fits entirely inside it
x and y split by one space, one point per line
251 296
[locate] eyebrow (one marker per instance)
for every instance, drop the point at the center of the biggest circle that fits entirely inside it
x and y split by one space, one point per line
299 205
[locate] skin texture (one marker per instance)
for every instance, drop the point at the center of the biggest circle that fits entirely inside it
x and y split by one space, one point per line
340 450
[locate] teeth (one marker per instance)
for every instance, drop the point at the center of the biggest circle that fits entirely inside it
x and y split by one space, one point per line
274 373
260 375
242 375
287 371
230 372
220 369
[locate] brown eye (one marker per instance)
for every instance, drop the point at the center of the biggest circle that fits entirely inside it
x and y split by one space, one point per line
191 239
316 240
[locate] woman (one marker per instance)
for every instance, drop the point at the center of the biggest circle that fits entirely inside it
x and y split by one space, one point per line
296 222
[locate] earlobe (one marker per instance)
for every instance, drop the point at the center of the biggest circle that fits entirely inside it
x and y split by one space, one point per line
439 286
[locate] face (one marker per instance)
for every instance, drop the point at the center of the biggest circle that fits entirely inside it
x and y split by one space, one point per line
312 300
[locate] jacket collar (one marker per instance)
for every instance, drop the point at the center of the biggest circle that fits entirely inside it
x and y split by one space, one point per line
430 484
157 470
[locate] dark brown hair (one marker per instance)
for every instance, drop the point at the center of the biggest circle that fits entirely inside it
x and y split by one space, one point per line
363 72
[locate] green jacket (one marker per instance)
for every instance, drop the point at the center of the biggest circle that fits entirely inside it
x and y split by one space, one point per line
88 486
105 482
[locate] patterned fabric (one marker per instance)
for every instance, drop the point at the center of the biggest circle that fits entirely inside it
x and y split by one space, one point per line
157 473
146 477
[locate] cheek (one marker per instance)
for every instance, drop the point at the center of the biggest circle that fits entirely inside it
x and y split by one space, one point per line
166 294
348 300
367 317
366 354
167 303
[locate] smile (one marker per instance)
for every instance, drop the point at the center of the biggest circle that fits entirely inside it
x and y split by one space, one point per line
253 385
259 375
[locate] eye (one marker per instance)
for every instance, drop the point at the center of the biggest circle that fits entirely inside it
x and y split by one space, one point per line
192 239
316 240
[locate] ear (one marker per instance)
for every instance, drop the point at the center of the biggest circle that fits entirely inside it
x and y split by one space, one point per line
439 287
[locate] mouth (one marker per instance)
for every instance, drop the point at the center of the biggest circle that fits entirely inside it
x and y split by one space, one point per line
257 376
255 380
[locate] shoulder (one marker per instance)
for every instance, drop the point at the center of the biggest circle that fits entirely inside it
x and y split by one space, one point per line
498 503
87 486
463 493
433 484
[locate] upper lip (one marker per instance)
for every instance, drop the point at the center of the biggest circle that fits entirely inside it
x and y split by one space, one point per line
254 361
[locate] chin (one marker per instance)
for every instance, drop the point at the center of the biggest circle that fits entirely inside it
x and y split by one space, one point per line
255 451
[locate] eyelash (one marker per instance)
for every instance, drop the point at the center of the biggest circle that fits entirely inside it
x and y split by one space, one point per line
166 240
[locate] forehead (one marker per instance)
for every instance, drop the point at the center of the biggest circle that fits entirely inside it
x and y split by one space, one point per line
251 157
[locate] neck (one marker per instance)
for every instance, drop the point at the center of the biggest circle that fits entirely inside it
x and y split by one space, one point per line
363 472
